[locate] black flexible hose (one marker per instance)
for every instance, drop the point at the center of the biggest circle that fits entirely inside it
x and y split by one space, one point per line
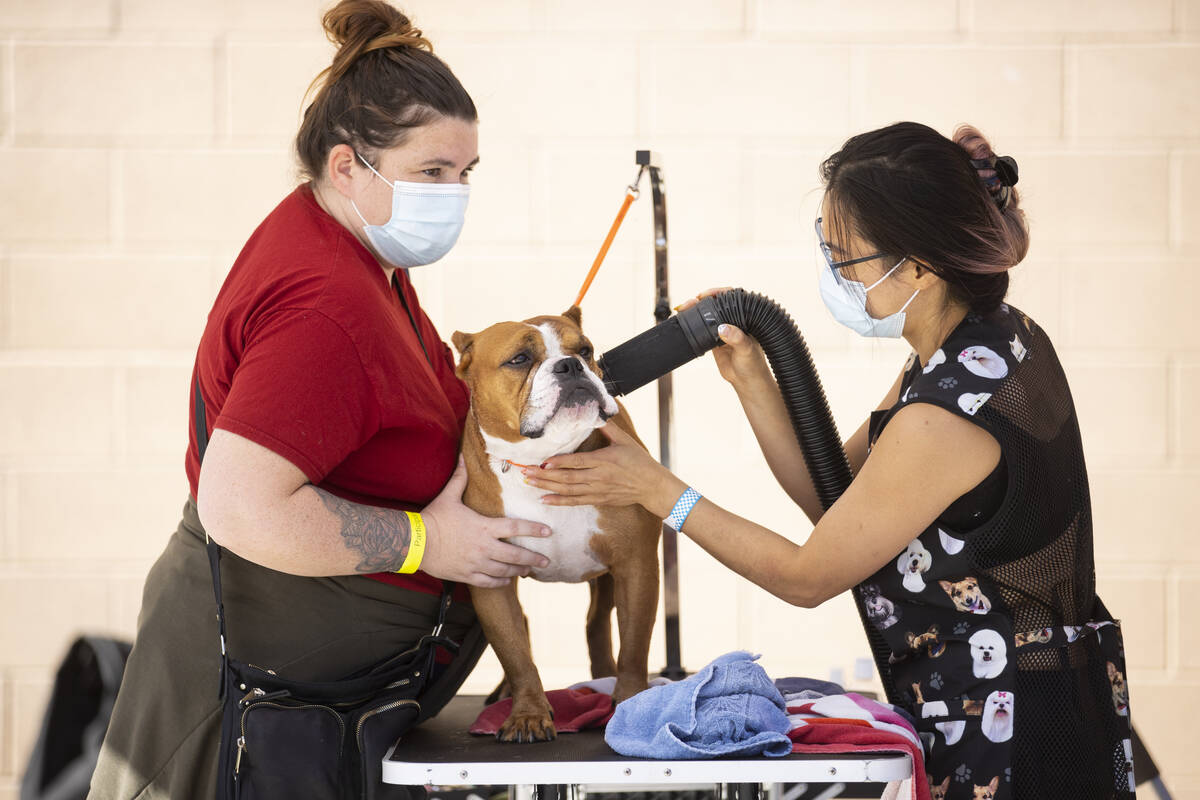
693 332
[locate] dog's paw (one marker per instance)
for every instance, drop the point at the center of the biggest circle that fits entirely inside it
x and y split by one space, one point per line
536 727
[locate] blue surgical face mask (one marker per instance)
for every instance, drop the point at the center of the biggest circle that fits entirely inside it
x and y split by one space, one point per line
425 223
847 299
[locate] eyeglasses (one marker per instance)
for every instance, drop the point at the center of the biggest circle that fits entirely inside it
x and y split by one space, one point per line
828 251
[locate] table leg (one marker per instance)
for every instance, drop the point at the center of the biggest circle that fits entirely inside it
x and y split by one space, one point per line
741 791
554 791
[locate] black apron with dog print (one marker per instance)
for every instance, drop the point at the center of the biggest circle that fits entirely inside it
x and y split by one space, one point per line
988 628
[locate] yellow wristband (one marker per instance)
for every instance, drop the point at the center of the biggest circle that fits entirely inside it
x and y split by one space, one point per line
416 547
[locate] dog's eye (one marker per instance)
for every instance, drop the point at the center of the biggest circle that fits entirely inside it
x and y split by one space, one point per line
518 360
585 351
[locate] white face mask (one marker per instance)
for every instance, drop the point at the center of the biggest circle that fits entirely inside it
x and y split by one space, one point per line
847 299
847 302
425 223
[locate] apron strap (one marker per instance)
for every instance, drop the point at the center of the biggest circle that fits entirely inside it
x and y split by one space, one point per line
412 320
200 423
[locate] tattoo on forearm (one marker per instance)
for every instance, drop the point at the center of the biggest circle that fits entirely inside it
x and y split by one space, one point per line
380 535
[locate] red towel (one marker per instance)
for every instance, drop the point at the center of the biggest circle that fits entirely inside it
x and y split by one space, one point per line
854 737
574 710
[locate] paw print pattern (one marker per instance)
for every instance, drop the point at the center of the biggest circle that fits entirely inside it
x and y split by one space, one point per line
962 774
974 319
961 628
935 681
947 382
1008 774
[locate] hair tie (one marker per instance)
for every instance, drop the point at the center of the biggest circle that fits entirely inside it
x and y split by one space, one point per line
1004 176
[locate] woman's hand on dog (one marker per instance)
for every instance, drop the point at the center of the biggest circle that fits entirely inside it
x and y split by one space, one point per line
741 362
621 474
465 546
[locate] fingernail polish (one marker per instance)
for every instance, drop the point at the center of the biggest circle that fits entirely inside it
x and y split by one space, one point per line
722 329
545 531
543 465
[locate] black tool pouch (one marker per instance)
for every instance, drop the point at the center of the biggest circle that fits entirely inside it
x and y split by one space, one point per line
285 738
318 740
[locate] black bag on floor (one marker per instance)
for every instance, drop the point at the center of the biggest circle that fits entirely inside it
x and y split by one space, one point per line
81 704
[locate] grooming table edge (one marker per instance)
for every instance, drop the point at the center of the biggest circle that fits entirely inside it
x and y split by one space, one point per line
440 752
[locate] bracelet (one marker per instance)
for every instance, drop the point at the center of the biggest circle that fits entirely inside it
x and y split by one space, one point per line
416 547
683 507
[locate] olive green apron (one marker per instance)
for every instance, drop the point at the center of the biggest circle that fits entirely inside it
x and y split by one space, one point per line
166 725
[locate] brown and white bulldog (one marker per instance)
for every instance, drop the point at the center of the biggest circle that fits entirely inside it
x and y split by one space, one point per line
535 393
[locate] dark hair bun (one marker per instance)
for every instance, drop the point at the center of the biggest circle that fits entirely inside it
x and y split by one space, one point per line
358 27
998 179
998 176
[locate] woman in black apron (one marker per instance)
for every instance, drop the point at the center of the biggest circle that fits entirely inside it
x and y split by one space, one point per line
966 534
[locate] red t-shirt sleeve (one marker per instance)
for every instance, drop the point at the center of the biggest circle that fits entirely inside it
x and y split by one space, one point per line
301 391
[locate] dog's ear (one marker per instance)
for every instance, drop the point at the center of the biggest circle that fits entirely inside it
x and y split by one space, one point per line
575 314
945 785
994 784
463 342
946 585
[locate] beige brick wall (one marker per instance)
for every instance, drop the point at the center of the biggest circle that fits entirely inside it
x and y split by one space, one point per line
142 140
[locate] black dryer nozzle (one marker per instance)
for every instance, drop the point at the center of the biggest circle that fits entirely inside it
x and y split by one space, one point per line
661 349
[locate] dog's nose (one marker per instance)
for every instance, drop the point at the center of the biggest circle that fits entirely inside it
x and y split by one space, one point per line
569 366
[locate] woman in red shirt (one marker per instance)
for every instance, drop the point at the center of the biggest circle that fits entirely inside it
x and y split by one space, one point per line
334 419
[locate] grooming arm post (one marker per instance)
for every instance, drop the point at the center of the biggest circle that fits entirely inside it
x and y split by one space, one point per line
652 162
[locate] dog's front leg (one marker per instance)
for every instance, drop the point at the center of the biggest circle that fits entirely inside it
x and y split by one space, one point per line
636 583
503 623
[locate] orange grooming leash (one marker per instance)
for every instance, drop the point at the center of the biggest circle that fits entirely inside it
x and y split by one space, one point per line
631 194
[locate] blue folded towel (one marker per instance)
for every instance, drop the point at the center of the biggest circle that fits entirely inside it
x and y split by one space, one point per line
728 708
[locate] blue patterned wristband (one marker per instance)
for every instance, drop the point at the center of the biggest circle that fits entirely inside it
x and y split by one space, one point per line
683 507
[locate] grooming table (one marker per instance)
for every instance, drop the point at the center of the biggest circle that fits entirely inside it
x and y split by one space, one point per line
440 752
